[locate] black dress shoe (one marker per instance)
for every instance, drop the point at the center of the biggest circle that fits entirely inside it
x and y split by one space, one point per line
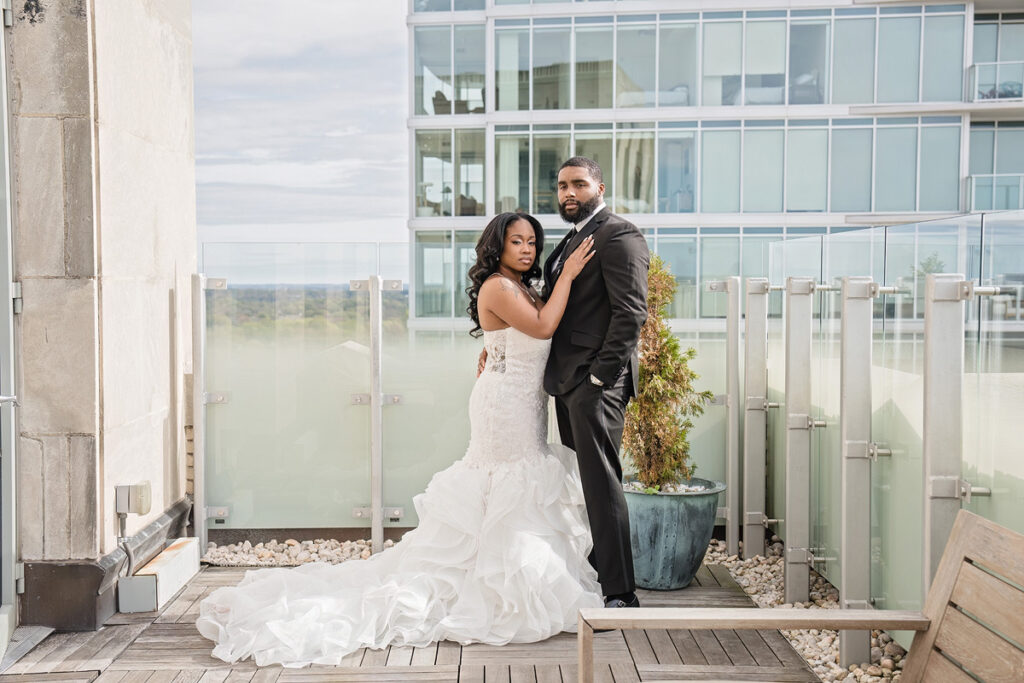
618 602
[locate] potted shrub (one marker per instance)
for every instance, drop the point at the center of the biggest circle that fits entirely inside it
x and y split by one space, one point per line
671 513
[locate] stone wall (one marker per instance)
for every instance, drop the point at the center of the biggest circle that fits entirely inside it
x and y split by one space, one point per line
105 243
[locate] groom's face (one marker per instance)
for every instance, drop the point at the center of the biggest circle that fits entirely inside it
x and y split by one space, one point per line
578 193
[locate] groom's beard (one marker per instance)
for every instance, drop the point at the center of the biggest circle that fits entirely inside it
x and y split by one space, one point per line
583 209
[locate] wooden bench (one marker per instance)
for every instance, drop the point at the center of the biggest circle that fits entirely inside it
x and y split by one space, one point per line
973 618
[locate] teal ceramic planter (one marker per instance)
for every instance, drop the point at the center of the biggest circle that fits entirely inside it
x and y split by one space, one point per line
670 533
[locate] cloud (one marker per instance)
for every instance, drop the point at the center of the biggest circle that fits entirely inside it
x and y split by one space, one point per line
300 111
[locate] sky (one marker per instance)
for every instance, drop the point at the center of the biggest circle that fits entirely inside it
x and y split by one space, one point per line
301 120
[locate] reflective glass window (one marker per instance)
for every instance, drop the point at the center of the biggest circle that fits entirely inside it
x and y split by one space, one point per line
469 173
512 172
551 68
680 255
719 259
432 5
1011 42
635 69
460 5
720 171
764 62
598 147
433 69
986 42
942 80
469 70
1009 150
940 169
895 169
634 173
433 253
754 255
465 257
851 169
594 49
983 141
853 66
677 65
512 69
808 62
677 171
433 173
549 151
806 169
762 170
899 58
722 49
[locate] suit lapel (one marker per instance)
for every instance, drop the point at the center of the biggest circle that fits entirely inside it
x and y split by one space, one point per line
568 246
550 273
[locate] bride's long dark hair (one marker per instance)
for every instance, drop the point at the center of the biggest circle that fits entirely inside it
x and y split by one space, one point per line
488 257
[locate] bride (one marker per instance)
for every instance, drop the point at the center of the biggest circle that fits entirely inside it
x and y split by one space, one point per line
500 553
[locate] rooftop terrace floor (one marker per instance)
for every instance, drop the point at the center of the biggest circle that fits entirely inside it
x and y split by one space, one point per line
165 647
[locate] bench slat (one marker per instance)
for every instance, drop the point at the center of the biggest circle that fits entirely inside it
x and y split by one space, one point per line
976 648
938 668
994 602
739 618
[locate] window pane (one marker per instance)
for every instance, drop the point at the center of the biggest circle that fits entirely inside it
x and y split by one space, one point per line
765 62
899 55
551 68
719 259
1011 42
434 274
634 173
722 50
432 5
594 67
762 170
943 59
720 171
808 63
433 69
512 173
806 170
598 147
634 76
853 76
755 252
986 39
465 257
677 156
940 169
851 169
549 151
512 66
1009 150
433 173
895 169
677 64
469 69
469 172
680 255
982 150
468 5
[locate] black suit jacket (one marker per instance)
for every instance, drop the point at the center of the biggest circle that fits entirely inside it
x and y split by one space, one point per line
607 307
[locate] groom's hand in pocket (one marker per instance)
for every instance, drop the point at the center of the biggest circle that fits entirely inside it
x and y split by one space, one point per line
481 362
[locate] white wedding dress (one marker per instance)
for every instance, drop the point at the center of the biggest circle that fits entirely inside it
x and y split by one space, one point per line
499 556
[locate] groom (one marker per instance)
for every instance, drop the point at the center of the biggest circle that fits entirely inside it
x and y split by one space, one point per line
592 368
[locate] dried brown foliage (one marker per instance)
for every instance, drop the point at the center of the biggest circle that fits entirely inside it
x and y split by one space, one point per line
658 419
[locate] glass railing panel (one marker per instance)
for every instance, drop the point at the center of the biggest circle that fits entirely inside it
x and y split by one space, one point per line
998 81
287 345
994 378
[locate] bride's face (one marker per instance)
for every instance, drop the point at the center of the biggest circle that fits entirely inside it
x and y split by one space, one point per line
520 250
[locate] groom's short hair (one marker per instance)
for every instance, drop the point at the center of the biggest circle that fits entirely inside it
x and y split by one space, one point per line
593 169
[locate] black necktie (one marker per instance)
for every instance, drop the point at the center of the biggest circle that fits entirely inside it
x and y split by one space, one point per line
567 249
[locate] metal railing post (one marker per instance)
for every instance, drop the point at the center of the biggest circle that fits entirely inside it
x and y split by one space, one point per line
732 411
855 467
376 415
799 306
755 422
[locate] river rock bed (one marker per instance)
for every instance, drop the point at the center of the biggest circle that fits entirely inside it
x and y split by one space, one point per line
289 553
761 578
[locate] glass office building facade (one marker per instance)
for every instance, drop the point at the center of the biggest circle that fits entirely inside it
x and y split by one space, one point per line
719 131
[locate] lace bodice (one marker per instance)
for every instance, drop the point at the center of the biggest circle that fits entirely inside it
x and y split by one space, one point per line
508 406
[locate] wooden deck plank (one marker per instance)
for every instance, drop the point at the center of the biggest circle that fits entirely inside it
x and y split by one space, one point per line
624 672
102 658
137 676
267 674
192 613
687 647
696 672
664 648
704 577
522 673
54 648
425 656
188 676
375 657
215 676
382 674
782 649
710 647
759 649
239 676
176 607
639 647
448 653
497 673
400 656
734 648
722 575
548 673
473 673
111 676
162 677
66 676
